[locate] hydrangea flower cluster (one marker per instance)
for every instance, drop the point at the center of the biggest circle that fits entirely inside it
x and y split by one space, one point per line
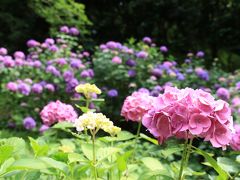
181 112
235 142
88 89
96 121
136 106
193 111
57 112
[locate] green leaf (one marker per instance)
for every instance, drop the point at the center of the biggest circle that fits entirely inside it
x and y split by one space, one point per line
223 174
28 164
87 150
5 152
228 165
74 157
152 163
154 141
39 149
170 150
63 125
6 165
55 164
82 108
105 152
121 163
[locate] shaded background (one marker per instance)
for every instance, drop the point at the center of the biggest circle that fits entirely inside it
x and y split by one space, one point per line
211 26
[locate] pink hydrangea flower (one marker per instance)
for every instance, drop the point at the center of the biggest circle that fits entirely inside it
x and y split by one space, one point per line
235 142
190 112
136 105
117 60
57 112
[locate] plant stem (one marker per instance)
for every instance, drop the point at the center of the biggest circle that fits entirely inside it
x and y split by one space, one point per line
236 175
136 139
183 159
94 155
189 148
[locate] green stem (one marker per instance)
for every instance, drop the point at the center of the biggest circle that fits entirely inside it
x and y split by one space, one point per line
136 139
189 149
236 175
94 155
183 159
111 160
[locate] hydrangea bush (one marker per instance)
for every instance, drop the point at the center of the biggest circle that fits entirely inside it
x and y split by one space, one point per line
49 71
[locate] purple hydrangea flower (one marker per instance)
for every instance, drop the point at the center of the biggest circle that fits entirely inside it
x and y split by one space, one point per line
68 75
37 88
24 89
157 72
53 70
131 73
61 61
111 45
64 29
223 94
43 128
158 88
200 54
180 77
37 64
154 93
32 43
188 61
203 74
50 87
91 73
142 55
112 93
116 60
103 46
189 70
238 85
8 62
29 123
147 40
49 41
131 62
3 51
53 48
143 90
12 86
74 31
19 54
76 63
85 74
163 49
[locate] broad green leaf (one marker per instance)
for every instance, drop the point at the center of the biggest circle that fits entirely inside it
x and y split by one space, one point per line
105 152
27 164
87 150
63 125
55 164
154 141
223 174
74 157
6 165
160 173
39 149
228 165
121 163
152 163
171 150
6 152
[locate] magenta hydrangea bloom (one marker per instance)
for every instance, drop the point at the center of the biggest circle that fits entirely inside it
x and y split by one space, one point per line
64 29
142 54
19 54
147 40
116 60
235 142
74 31
57 112
3 51
196 112
136 106
32 43
163 49
12 86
